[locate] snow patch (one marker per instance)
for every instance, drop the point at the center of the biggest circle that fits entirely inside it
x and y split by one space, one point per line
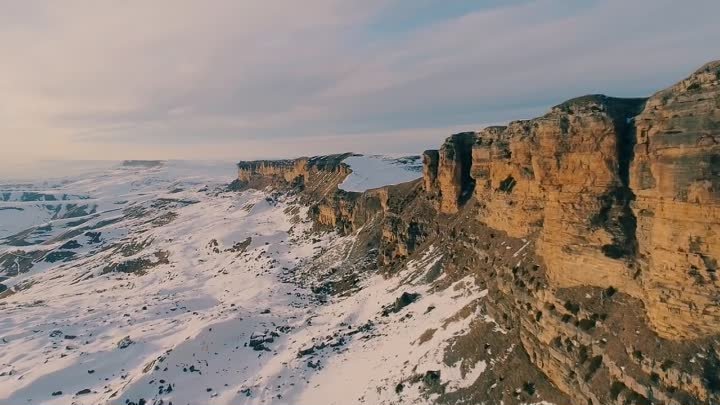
374 171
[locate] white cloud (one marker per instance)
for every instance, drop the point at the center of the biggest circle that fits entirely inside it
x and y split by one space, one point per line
171 78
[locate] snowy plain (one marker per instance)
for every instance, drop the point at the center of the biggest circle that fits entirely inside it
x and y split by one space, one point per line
373 171
177 291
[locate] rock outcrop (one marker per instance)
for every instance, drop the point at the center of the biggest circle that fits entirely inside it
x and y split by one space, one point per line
614 200
447 172
316 181
317 176
620 196
675 175
564 177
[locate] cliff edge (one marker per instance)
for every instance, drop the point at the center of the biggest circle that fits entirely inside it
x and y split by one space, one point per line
616 205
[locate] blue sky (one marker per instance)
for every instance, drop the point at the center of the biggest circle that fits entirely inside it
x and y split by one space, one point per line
245 79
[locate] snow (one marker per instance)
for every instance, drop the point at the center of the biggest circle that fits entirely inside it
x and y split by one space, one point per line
231 281
370 369
170 308
107 190
373 171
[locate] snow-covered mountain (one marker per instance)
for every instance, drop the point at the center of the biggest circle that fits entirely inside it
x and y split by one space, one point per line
169 288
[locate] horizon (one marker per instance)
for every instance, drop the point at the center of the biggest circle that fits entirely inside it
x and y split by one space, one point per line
62 169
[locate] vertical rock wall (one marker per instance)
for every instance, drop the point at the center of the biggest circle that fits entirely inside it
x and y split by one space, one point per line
676 177
450 182
618 193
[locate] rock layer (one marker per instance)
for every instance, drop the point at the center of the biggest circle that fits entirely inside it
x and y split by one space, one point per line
564 178
676 177
447 172
316 176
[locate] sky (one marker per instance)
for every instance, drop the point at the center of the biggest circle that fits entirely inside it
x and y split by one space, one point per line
246 79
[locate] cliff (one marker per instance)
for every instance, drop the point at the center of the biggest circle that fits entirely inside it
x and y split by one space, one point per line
315 180
615 204
447 172
676 177
316 176
563 178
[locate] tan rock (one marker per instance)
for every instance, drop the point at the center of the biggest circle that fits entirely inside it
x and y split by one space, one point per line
676 178
450 182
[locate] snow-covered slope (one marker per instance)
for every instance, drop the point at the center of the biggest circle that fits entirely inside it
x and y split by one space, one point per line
175 290
373 171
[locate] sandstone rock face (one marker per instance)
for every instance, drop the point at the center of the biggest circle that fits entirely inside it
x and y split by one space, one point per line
317 176
613 200
430 170
286 170
563 177
511 198
675 175
348 211
316 181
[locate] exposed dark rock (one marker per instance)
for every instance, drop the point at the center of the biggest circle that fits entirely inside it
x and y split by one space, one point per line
124 342
401 302
57 256
71 244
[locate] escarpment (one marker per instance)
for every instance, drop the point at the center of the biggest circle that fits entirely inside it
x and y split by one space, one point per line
619 193
675 175
317 176
564 178
595 229
316 181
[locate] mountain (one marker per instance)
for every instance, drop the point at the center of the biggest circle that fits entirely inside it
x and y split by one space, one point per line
566 259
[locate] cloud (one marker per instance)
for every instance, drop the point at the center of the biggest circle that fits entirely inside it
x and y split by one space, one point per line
175 78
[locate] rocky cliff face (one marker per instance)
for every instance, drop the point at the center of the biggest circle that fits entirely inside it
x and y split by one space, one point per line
675 175
563 177
316 179
619 195
447 172
615 200
593 227
316 176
